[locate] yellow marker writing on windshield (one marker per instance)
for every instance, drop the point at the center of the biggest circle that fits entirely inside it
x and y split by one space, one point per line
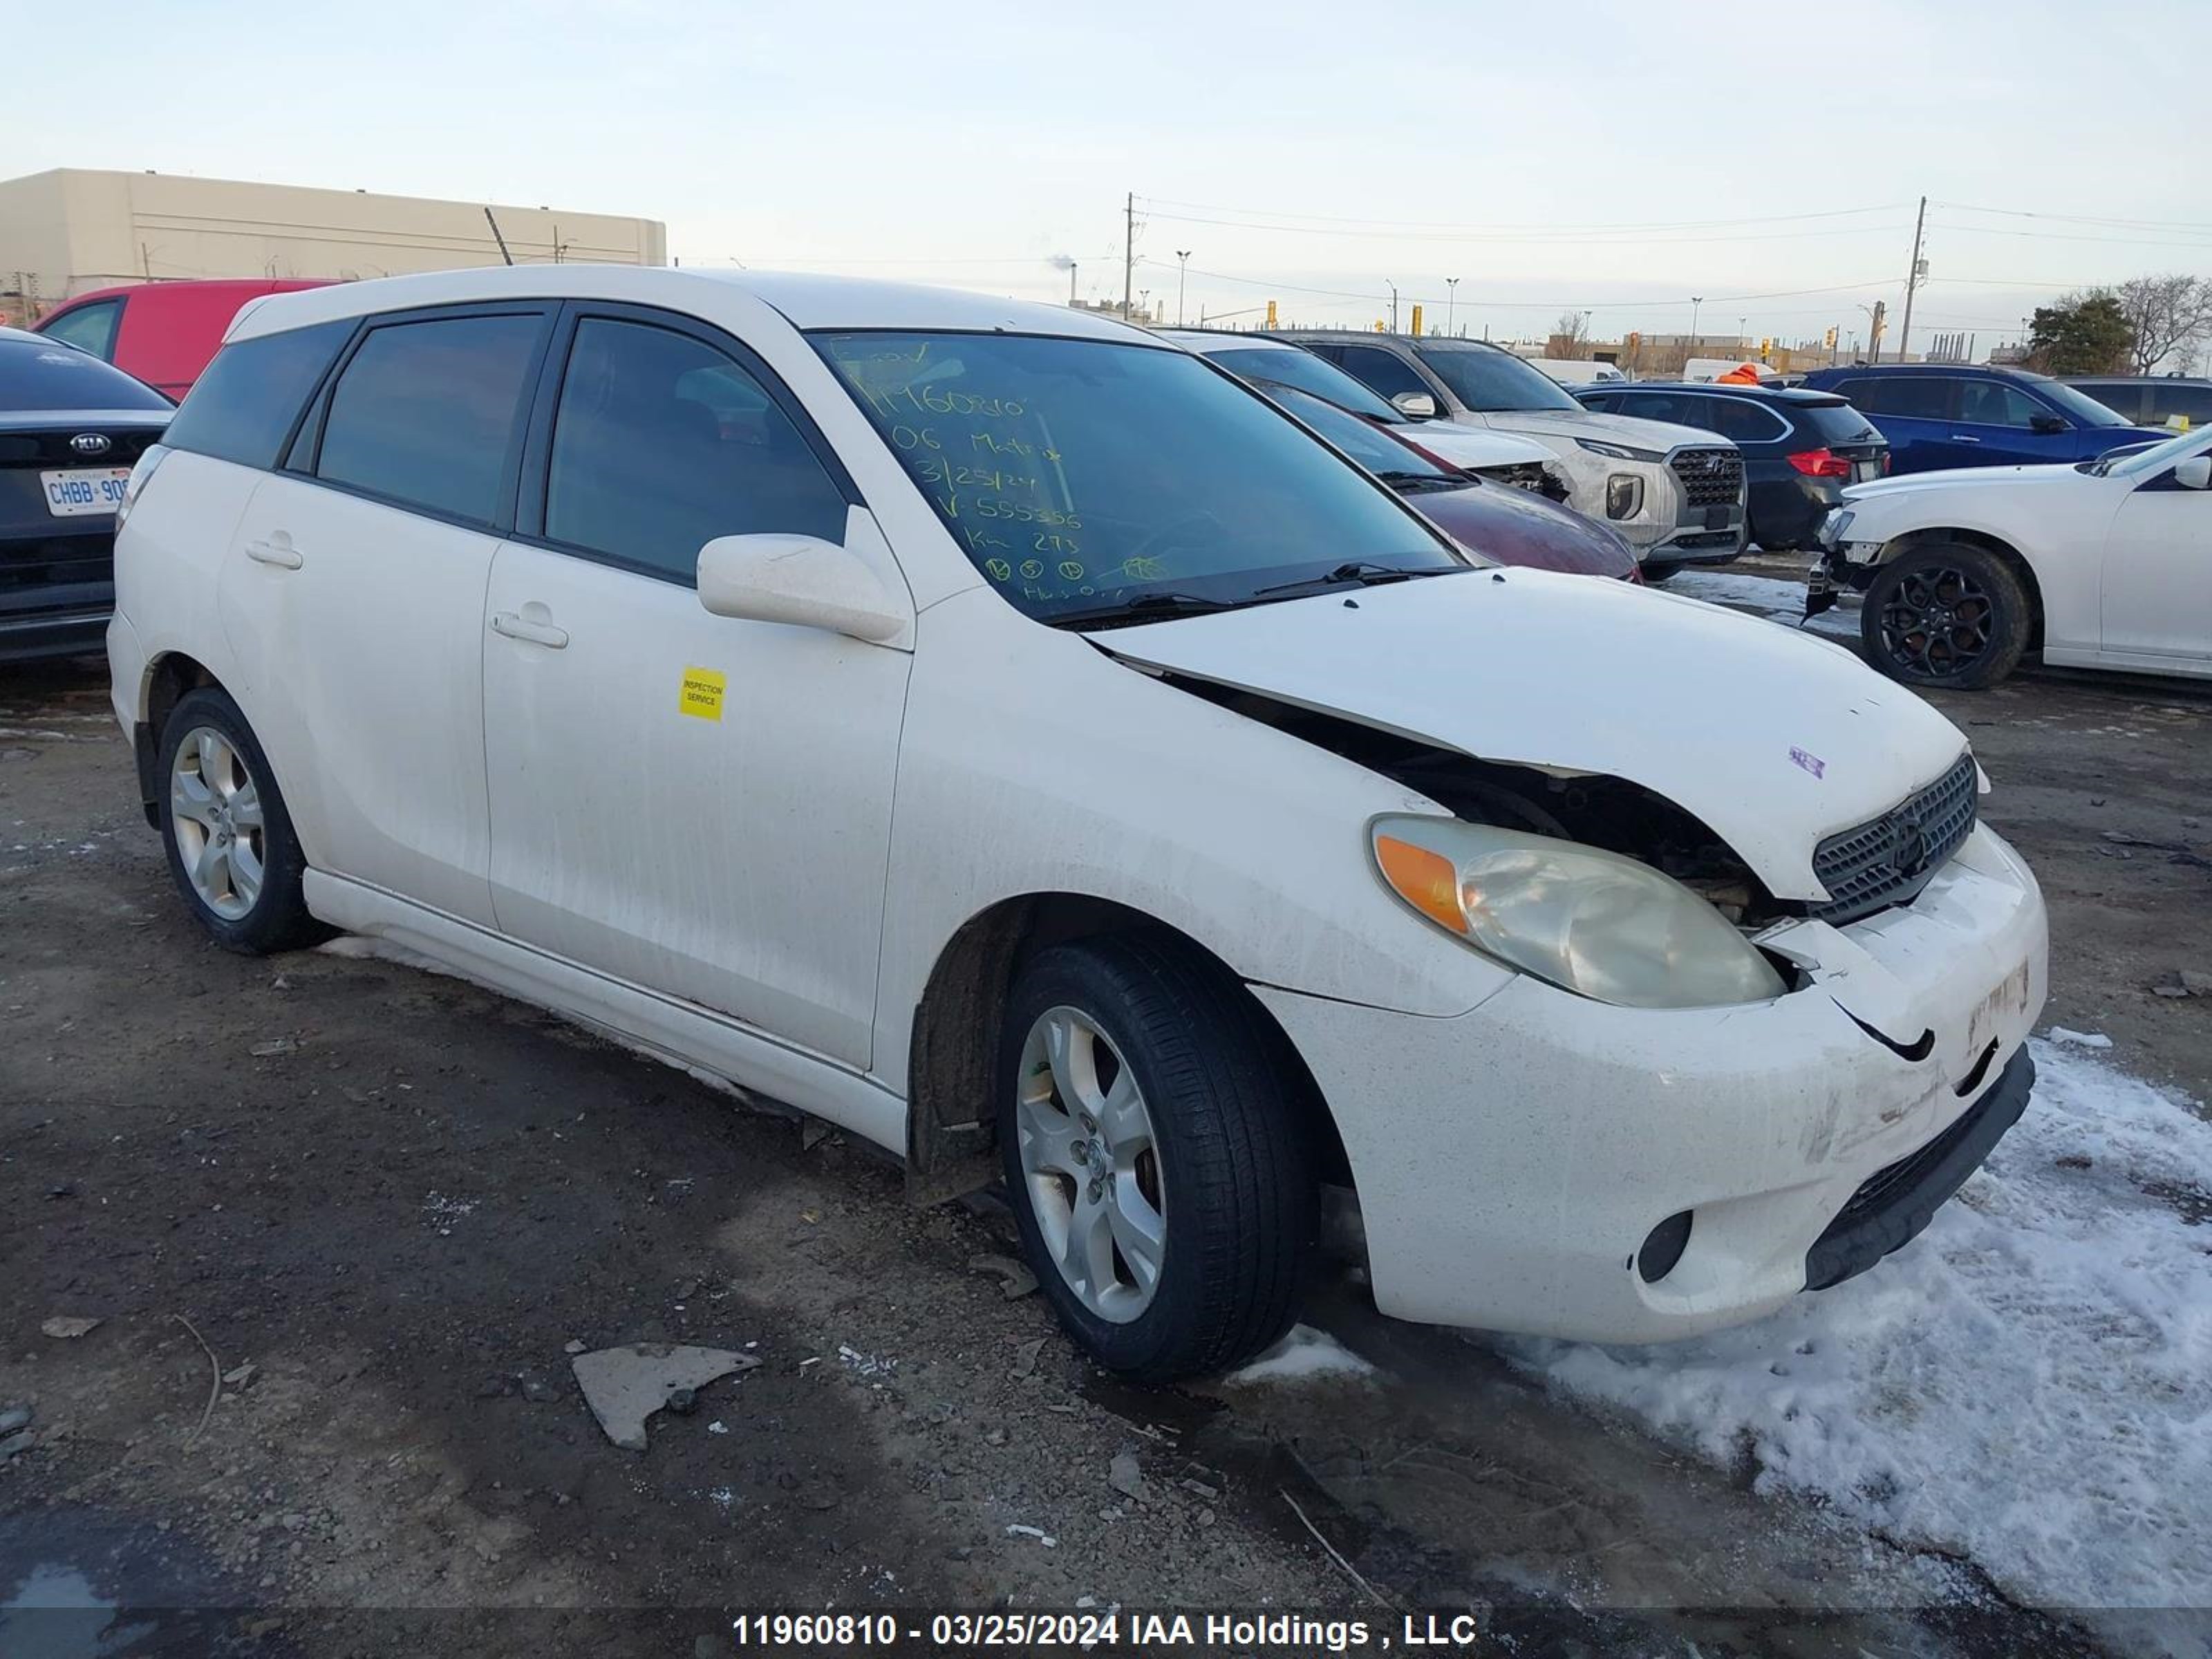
701 695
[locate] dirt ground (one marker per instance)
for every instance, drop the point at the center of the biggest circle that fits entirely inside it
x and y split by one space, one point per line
398 1199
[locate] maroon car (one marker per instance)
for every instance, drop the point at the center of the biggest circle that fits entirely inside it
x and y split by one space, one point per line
1512 526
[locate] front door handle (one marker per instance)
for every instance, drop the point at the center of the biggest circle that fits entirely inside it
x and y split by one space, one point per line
277 550
1964 437
516 626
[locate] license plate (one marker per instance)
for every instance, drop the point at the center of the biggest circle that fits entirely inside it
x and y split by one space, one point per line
1865 472
84 490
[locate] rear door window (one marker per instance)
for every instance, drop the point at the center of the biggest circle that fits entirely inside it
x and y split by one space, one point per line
1736 419
2192 402
2122 396
427 412
88 328
662 442
244 407
1677 407
1993 403
1914 397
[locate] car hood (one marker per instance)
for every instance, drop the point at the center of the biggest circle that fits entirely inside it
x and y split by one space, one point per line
1660 435
1774 739
1472 446
1966 477
1519 527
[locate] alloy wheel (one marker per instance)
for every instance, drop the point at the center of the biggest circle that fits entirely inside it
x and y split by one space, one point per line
1091 1163
215 810
1936 622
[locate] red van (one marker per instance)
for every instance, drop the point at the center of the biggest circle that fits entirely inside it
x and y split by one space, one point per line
164 333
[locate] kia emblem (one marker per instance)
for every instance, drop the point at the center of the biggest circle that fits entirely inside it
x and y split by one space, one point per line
90 443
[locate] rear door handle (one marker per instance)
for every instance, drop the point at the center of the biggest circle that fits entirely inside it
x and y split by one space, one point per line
278 551
518 627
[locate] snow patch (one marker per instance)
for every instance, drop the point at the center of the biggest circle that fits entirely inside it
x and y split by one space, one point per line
1305 1352
2079 1039
2030 1380
1774 598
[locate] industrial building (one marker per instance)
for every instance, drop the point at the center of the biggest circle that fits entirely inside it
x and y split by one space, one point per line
71 230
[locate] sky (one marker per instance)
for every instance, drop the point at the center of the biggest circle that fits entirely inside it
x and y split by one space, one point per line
1582 154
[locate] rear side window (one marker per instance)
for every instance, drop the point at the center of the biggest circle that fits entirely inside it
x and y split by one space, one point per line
425 413
243 408
2193 401
1736 419
1913 396
2121 396
661 443
88 328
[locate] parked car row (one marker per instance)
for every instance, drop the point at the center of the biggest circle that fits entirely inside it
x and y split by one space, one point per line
1048 754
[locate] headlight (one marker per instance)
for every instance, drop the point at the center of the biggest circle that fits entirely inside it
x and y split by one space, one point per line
1623 495
1833 526
1617 451
1588 922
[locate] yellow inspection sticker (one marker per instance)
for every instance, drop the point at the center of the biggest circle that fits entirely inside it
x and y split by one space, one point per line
701 695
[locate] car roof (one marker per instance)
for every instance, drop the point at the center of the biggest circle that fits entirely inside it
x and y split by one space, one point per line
2137 380
2004 370
1796 396
805 301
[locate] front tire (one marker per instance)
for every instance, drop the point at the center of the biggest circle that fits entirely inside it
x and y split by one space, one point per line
1157 1167
232 850
1948 615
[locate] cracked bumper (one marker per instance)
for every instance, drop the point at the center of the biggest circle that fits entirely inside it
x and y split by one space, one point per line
1511 1160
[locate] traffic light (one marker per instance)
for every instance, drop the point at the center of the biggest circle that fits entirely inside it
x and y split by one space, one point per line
1767 348
1829 340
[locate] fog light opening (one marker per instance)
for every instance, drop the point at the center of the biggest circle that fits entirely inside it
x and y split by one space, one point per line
1662 1248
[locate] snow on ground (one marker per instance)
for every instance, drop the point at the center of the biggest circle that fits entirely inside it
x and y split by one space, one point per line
1774 597
1305 1352
2030 1380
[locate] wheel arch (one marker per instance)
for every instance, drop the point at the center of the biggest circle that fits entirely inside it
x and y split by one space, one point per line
2010 556
166 679
951 1133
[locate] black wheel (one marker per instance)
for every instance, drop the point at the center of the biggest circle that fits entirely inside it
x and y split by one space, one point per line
1946 615
1159 1171
229 839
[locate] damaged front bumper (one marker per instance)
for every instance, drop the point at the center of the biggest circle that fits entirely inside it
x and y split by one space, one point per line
1515 1163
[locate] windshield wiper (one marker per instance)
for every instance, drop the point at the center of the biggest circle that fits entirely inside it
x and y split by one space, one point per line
1149 606
1366 573
1421 480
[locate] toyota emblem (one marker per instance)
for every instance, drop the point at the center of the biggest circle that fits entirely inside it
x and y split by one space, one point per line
1909 848
90 443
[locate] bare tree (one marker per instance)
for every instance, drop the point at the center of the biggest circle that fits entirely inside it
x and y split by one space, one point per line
2170 317
1569 335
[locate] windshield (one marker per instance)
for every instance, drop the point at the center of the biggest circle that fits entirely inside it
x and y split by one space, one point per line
2084 409
1080 476
1365 443
1484 378
1288 366
41 374
2158 456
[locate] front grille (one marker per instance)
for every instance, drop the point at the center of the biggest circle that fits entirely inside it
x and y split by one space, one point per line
1709 478
1890 859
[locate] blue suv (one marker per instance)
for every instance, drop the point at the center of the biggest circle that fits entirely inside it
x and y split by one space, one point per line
1943 414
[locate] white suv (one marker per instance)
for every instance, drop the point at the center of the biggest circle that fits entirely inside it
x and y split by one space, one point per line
1676 492
1015 741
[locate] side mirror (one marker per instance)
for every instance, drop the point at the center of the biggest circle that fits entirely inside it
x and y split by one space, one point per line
801 579
2047 423
2195 473
1415 405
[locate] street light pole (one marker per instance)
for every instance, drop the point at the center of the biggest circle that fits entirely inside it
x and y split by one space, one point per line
1070 282
1394 305
1451 294
1182 266
1696 300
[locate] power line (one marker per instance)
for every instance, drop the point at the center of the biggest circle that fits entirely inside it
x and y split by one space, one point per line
1528 304
1418 224
2080 218
1565 238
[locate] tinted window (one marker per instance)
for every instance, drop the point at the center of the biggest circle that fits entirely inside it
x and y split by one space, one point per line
1916 396
241 408
1835 424
1078 475
425 412
88 328
2193 401
2127 399
1484 377
1290 365
42 374
2084 409
1387 373
662 443
1992 402
1683 408
1738 418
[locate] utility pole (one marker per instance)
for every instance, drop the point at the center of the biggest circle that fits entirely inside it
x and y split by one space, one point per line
1451 294
1128 249
1183 268
495 237
1911 282
1394 304
1696 300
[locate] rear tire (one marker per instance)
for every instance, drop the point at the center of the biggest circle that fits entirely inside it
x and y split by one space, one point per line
1172 1240
1947 615
232 850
